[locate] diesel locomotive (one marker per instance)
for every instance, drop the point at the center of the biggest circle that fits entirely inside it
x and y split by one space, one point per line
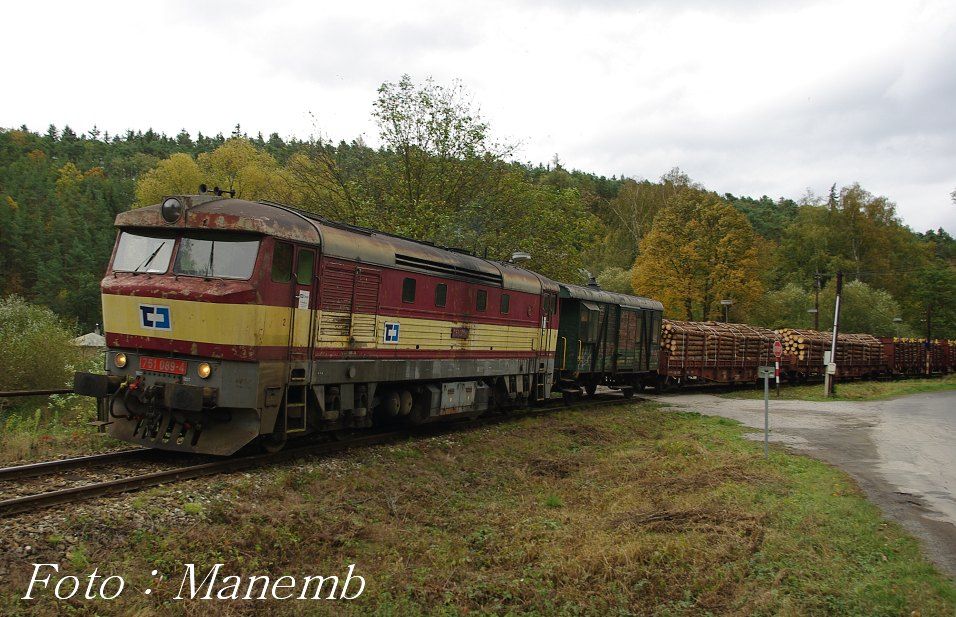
230 321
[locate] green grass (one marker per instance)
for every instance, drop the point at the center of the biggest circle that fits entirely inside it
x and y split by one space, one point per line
44 427
854 391
622 511
41 428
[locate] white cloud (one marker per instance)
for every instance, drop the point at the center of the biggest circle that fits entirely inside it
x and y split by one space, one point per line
747 97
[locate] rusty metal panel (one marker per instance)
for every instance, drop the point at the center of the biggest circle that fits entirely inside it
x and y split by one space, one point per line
608 297
365 304
227 215
337 282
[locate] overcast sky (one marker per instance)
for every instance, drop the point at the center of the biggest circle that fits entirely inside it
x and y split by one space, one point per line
750 98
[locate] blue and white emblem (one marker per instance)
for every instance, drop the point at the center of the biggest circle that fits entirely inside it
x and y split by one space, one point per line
155 317
391 332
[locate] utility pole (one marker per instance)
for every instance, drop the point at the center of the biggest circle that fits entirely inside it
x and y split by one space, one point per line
830 375
929 338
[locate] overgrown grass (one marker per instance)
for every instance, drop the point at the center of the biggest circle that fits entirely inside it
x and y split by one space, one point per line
44 427
855 390
608 511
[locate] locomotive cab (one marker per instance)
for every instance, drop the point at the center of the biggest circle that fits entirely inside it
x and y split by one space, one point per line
197 316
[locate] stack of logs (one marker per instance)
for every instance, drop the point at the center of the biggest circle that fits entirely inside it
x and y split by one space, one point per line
859 350
910 355
806 347
716 344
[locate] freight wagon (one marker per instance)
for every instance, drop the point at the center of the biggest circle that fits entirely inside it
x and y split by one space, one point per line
606 338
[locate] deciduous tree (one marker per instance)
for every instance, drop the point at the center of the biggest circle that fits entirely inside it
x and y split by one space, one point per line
699 251
177 175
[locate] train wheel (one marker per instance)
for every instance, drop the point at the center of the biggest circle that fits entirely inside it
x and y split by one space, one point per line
273 442
590 389
499 393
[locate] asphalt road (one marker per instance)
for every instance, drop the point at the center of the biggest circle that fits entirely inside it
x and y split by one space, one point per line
902 452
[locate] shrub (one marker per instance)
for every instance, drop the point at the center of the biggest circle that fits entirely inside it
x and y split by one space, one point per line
36 347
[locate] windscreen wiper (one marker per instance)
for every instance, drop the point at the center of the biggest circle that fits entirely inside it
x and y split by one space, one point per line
212 256
150 258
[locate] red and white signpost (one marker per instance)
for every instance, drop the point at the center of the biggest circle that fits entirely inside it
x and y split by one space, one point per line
777 354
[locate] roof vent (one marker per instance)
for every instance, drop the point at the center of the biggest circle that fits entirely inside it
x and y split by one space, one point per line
519 256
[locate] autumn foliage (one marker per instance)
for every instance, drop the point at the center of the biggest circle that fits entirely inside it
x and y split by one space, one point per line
699 251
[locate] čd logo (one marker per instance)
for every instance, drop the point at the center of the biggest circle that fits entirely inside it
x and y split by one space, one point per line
391 332
154 317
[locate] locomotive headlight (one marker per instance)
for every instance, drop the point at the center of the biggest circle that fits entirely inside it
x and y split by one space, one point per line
171 210
119 360
204 370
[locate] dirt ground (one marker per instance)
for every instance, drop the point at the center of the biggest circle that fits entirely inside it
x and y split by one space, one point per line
902 452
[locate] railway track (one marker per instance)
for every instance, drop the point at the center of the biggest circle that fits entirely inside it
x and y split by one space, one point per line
34 501
32 470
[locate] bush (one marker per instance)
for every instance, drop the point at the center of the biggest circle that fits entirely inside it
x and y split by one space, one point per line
616 279
36 347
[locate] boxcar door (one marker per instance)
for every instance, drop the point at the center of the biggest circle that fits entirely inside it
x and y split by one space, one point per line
588 336
640 338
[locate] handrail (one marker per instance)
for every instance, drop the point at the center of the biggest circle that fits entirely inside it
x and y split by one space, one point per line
14 393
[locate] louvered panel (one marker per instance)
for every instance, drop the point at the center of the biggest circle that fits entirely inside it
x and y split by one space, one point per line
336 301
365 307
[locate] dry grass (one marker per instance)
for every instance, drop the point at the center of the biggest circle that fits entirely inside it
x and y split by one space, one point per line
609 511
855 390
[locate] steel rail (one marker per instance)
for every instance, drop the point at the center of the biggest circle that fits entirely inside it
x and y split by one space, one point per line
30 503
32 470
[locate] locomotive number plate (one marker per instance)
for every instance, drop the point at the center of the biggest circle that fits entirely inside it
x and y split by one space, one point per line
163 365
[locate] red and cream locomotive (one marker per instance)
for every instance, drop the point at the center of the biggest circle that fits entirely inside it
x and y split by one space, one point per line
228 321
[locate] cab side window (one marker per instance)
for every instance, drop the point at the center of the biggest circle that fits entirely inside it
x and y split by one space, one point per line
282 262
482 301
408 290
303 269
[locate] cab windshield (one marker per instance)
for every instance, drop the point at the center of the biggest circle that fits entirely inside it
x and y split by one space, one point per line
215 255
142 253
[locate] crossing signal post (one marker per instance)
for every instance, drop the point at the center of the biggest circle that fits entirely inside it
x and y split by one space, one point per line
766 372
777 354
830 375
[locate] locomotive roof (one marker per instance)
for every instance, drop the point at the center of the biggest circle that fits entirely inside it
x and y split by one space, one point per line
593 294
336 239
